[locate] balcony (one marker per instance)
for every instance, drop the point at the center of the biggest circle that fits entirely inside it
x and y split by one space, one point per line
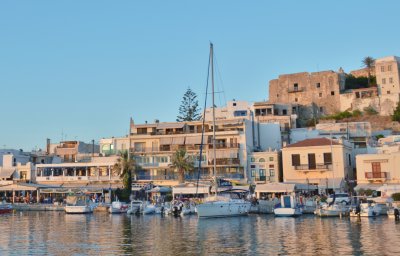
224 146
226 161
310 168
376 175
295 89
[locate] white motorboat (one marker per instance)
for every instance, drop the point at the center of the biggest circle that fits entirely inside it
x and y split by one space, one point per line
135 207
331 210
78 204
149 208
365 210
220 206
118 207
189 207
289 207
223 207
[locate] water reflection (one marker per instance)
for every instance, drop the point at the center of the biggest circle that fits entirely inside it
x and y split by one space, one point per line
55 233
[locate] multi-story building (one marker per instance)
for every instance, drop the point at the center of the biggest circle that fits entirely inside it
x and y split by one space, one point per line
153 145
319 161
112 146
73 151
315 93
99 171
388 79
14 168
265 167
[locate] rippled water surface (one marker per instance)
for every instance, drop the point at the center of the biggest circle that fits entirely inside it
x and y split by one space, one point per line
55 233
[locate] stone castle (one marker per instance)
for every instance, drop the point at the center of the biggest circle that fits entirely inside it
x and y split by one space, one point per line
324 93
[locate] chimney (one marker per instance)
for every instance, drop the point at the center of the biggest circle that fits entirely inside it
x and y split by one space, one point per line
48 146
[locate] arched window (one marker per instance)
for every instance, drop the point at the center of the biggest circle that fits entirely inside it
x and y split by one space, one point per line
261 160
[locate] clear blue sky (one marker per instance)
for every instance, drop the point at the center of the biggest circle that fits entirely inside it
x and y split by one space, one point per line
83 68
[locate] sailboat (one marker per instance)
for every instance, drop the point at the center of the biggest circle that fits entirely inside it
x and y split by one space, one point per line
230 204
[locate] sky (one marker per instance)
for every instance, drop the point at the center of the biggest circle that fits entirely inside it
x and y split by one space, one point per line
79 70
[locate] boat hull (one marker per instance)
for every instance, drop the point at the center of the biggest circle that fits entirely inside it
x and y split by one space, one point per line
287 212
78 209
6 209
222 209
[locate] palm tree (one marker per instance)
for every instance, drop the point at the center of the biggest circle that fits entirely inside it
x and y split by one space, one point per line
369 63
181 161
125 166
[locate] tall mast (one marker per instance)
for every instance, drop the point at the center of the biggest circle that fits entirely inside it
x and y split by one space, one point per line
213 115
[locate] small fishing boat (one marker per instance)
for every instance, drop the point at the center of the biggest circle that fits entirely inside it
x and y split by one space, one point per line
5 208
365 210
288 208
78 204
189 208
331 210
118 207
135 207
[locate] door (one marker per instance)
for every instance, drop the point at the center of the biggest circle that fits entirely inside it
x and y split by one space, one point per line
311 162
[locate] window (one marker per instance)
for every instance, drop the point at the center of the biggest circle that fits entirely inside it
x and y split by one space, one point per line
261 172
261 160
271 172
294 110
390 68
295 160
382 68
284 112
390 80
349 159
234 104
376 167
253 173
383 80
253 166
295 99
321 109
252 159
277 95
271 166
296 86
318 85
388 92
271 158
327 158
320 94
311 162
332 93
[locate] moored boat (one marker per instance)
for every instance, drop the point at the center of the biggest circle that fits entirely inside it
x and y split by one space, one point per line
5 208
289 207
78 204
365 210
118 207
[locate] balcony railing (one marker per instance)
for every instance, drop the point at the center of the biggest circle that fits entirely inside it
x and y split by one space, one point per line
223 146
189 177
316 167
376 175
295 89
224 161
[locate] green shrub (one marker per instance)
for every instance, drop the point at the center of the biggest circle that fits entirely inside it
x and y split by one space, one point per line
396 113
357 113
370 110
396 196
365 192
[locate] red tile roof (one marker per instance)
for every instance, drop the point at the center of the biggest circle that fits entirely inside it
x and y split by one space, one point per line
313 143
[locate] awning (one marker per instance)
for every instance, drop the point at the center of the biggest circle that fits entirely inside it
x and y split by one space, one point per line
170 125
275 188
193 140
190 190
367 186
178 141
159 190
17 187
166 141
6 173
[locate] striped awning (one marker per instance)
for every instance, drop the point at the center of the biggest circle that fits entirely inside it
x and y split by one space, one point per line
194 140
166 141
178 141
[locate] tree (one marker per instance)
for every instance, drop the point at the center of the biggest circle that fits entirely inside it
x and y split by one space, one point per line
189 109
369 63
125 166
396 113
181 161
